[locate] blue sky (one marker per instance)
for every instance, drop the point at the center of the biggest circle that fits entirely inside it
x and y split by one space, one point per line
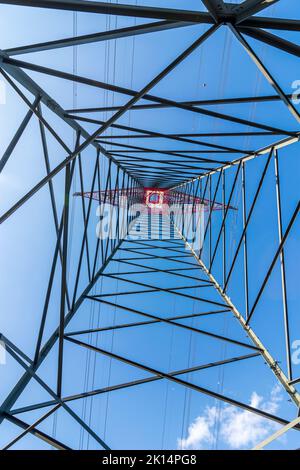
153 415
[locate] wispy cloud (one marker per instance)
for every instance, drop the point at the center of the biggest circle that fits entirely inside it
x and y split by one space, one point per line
238 429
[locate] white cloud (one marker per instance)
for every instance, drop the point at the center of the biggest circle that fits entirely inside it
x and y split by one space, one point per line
239 429
199 432
9 182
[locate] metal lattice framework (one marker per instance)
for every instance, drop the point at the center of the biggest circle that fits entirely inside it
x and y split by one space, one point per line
199 169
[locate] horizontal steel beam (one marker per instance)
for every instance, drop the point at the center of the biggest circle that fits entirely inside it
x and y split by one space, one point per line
179 381
160 134
174 323
133 383
107 8
97 37
178 153
277 434
208 134
133 93
272 23
270 361
221 101
248 8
